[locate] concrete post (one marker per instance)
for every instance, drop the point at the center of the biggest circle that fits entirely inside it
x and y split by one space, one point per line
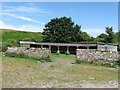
50 48
87 47
68 50
77 47
58 51
41 46
21 45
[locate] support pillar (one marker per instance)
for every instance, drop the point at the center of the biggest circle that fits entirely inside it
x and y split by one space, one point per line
58 51
87 47
68 50
77 47
50 48
41 46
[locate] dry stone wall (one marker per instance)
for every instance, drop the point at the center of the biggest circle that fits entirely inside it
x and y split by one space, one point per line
96 56
34 52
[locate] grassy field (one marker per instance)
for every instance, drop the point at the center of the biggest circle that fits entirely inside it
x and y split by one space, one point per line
19 35
61 73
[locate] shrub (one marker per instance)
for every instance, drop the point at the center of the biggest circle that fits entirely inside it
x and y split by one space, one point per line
115 63
3 47
18 55
47 59
8 43
12 43
78 62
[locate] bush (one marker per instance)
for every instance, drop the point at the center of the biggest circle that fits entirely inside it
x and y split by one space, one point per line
78 62
8 43
12 43
22 55
115 64
18 55
3 47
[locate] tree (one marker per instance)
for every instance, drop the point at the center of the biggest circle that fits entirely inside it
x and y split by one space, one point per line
110 35
117 37
102 36
85 37
61 30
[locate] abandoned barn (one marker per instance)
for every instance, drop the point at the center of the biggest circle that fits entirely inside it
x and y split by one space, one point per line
69 47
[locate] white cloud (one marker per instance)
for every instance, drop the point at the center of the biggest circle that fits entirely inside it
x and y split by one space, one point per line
23 18
24 9
94 31
29 28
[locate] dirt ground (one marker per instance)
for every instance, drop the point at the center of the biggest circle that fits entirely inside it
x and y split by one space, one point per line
61 73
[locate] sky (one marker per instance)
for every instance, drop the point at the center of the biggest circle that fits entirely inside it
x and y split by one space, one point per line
93 17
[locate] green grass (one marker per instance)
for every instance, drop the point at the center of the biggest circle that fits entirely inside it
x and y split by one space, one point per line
63 56
22 55
20 35
59 73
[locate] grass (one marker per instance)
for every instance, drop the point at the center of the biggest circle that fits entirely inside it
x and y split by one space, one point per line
22 55
20 35
63 56
23 73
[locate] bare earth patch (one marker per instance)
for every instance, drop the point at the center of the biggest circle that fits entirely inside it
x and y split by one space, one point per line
61 73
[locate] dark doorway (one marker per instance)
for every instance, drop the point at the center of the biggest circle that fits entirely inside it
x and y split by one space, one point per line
72 50
93 47
63 49
45 46
54 49
35 46
82 47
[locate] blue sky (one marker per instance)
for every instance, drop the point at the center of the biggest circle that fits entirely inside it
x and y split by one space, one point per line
32 16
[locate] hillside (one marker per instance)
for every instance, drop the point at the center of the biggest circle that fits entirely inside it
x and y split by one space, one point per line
7 30
11 38
19 35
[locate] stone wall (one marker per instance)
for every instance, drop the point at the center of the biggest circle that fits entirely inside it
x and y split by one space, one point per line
96 56
34 52
107 48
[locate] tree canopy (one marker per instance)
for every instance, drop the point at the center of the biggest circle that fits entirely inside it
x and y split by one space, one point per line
110 35
62 30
